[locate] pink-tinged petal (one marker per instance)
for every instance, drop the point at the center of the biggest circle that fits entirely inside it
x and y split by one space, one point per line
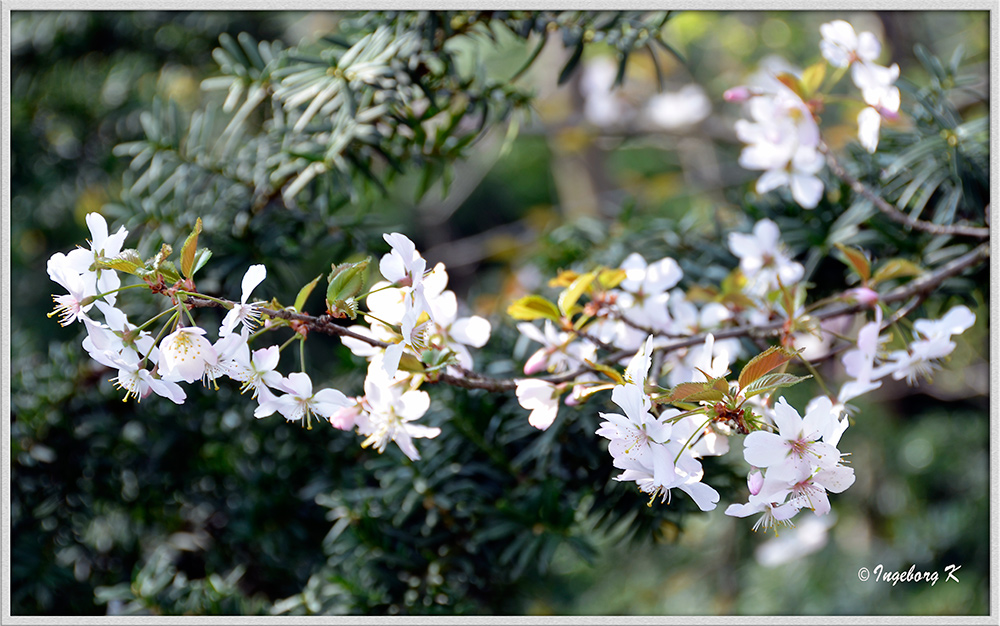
326 402
664 471
786 511
824 455
272 379
267 404
787 419
542 417
413 404
255 275
472 331
763 449
537 362
299 384
266 359
755 480
345 417
704 496
818 418
658 431
819 501
632 400
854 388
742 510
167 389
835 479
791 470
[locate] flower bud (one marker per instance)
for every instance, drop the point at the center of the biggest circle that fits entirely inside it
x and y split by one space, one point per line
345 417
755 481
536 363
864 295
737 94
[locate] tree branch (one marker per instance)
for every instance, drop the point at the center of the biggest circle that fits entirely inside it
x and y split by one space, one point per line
915 291
893 212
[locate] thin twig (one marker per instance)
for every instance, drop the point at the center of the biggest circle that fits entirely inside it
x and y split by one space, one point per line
894 213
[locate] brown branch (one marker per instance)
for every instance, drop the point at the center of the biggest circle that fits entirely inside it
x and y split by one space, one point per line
893 212
915 291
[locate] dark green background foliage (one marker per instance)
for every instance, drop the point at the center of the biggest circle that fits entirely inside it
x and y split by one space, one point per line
150 508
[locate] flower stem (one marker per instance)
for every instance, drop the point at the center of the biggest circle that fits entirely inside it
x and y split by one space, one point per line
302 352
155 317
160 334
696 432
290 340
815 373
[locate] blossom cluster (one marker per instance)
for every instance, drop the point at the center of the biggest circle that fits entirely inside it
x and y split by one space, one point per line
410 298
426 313
640 308
783 135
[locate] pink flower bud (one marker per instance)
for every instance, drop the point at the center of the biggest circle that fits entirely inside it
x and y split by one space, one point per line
737 94
344 418
536 363
863 295
755 481
888 114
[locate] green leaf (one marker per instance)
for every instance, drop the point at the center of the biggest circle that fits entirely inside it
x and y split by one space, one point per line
764 363
695 392
793 83
857 260
769 382
346 281
812 77
160 257
303 295
570 295
200 259
533 308
609 279
896 268
188 250
127 261
567 70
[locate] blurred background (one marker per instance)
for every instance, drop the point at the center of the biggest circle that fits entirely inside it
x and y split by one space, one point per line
147 509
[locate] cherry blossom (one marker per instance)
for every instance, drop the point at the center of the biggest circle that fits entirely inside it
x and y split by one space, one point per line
245 313
541 398
299 401
185 353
